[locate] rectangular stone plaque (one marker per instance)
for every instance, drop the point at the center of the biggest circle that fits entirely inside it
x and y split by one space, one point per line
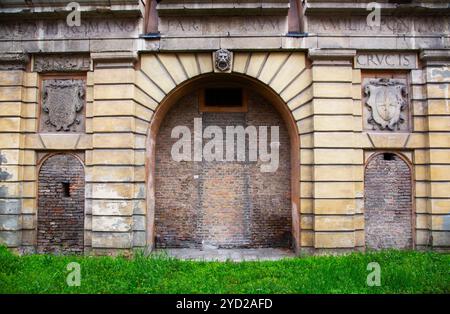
223 25
385 60
389 25
61 63
58 29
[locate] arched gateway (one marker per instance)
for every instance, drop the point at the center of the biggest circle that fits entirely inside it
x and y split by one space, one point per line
208 185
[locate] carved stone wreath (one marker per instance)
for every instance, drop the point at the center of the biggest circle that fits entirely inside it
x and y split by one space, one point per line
62 100
223 60
386 99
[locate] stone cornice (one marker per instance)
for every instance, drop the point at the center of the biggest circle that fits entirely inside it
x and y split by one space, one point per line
200 7
13 61
56 9
331 56
114 59
435 57
360 7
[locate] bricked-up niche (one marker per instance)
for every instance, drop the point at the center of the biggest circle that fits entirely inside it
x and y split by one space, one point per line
61 205
223 204
387 202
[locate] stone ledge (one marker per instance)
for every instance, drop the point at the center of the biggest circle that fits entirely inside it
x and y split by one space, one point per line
114 59
13 61
360 7
435 57
222 7
54 141
331 56
318 54
57 8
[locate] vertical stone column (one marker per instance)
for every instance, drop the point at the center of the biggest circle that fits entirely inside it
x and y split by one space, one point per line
337 172
437 90
16 118
116 169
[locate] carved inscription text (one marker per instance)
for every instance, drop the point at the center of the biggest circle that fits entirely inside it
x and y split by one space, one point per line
217 25
58 29
390 25
385 61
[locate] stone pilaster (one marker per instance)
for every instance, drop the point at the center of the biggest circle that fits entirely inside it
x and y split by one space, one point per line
120 118
17 100
337 160
436 90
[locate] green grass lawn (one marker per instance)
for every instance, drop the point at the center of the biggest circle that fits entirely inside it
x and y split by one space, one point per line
401 272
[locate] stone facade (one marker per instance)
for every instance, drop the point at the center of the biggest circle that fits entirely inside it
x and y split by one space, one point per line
317 68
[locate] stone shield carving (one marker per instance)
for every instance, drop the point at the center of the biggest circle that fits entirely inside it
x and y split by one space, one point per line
223 59
386 99
62 101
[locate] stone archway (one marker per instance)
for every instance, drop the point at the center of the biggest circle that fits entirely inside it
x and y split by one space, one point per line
250 84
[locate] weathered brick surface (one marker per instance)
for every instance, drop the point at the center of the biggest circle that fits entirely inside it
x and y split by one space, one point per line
61 218
225 204
388 207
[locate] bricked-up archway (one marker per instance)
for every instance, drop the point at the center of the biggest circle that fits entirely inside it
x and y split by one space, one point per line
60 225
276 104
388 209
226 204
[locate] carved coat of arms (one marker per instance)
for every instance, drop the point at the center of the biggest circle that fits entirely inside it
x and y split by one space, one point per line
386 99
62 100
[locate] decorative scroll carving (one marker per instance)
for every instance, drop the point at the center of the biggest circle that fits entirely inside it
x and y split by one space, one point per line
387 98
54 63
62 101
223 59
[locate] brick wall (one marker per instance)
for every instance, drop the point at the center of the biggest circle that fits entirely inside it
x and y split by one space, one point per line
387 200
61 205
225 204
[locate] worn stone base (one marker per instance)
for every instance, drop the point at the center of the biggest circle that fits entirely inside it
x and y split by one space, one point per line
331 251
236 255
